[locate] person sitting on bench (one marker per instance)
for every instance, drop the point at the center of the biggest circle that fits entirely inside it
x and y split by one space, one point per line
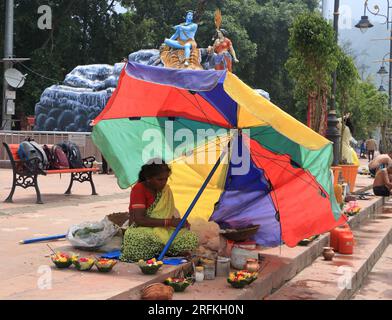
382 183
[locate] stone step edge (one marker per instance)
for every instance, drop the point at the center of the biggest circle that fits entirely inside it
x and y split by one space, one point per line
271 284
367 265
366 268
355 221
135 292
379 264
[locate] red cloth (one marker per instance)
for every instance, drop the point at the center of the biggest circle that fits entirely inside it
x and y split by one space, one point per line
220 48
141 197
223 46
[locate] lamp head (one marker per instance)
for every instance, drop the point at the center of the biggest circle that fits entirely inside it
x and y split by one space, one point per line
364 24
381 89
382 71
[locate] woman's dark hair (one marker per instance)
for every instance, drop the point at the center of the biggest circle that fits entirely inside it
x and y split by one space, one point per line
224 32
349 124
153 168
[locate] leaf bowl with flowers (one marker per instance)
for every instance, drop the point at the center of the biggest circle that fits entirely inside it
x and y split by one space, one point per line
241 278
105 265
352 209
150 266
61 260
83 264
178 284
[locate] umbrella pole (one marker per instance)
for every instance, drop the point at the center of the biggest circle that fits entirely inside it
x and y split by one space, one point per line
188 212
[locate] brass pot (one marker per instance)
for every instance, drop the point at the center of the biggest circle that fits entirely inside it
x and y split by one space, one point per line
252 265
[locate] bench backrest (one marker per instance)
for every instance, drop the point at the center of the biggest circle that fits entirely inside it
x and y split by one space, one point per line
14 151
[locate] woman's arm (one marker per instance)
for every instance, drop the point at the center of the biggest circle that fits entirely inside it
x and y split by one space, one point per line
233 54
141 219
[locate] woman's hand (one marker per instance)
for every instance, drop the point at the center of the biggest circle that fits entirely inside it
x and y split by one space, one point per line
176 221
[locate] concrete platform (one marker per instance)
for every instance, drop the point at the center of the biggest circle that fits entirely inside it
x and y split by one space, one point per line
21 277
339 279
280 265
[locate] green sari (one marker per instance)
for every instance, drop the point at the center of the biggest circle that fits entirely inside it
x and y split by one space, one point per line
147 242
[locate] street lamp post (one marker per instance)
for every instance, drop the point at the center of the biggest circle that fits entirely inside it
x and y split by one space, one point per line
333 133
364 24
8 53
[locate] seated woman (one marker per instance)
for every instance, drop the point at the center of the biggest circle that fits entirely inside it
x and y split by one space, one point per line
382 183
153 217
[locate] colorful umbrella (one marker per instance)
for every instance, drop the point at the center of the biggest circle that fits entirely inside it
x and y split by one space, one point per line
286 187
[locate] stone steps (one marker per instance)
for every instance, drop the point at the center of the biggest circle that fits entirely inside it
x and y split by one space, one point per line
280 265
378 284
340 279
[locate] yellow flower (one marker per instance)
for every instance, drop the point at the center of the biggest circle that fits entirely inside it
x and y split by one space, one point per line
160 263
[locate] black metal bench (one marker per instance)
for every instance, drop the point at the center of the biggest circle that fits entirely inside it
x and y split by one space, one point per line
25 177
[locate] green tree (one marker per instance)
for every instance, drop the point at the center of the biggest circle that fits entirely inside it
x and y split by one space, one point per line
90 31
347 77
269 29
84 32
369 109
313 58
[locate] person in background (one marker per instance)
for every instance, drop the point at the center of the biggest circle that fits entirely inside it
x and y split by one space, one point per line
362 151
371 147
382 183
380 162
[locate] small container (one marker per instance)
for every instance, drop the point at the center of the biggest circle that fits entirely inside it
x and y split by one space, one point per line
328 253
199 275
223 267
252 265
209 271
346 243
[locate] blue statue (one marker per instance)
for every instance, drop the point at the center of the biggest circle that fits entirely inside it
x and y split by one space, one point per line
184 39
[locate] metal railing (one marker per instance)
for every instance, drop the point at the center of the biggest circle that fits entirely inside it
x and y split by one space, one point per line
82 139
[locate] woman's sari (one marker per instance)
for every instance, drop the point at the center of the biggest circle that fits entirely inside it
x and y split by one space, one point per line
147 242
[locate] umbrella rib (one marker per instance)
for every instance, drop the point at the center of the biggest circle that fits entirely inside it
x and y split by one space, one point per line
197 107
293 173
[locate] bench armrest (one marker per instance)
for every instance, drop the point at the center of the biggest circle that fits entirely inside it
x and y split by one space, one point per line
89 162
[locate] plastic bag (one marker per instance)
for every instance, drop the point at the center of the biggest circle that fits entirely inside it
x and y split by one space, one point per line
207 232
92 234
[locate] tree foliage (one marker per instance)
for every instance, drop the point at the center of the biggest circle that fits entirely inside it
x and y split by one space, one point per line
368 108
313 58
